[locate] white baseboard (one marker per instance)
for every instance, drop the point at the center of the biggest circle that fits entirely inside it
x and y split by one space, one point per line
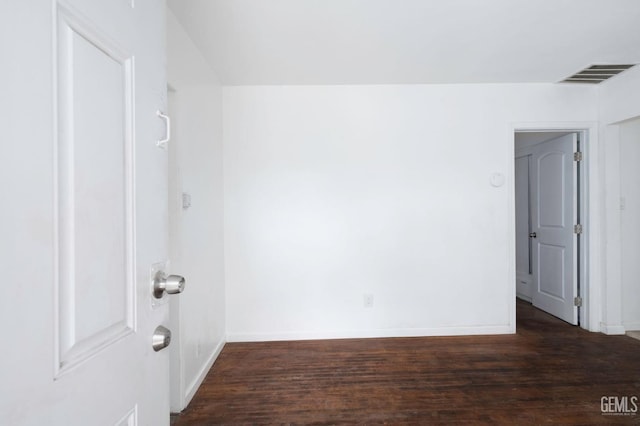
524 284
363 334
631 326
195 384
612 329
524 297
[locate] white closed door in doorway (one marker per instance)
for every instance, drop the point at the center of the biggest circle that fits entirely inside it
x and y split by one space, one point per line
87 221
553 216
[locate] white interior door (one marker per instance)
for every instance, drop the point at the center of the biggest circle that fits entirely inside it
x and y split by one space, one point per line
553 217
88 218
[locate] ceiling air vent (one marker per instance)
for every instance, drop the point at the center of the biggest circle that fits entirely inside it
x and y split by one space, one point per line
596 74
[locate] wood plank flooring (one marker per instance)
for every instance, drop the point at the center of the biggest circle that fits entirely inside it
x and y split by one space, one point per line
547 373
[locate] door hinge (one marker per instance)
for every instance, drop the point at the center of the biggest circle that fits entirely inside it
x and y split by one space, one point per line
577 156
577 229
577 301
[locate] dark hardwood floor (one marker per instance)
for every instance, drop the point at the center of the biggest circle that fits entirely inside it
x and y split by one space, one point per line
547 373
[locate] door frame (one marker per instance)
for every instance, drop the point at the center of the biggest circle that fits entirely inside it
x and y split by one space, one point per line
551 143
176 367
590 267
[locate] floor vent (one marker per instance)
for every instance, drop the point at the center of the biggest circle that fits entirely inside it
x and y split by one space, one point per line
597 73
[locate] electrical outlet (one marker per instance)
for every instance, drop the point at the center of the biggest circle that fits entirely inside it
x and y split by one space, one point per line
368 300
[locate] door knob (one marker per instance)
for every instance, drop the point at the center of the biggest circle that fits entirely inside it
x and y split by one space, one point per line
161 338
533 235
171 284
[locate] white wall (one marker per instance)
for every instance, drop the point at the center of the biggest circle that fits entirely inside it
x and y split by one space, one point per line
524 278
630 222
334 192
199 312
616 104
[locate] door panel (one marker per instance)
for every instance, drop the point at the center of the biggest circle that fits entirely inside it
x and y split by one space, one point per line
551 277
95 192
88 220
553 217
550 186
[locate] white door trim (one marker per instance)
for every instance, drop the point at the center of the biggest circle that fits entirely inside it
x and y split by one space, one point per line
591 256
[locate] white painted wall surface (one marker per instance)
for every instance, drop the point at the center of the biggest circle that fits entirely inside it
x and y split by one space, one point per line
614 100
334 192
197 131
630 222
524 279
615 106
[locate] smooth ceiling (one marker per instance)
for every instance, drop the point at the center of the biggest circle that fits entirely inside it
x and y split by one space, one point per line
277 42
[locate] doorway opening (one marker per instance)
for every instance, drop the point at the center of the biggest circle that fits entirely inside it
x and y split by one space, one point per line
550 220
